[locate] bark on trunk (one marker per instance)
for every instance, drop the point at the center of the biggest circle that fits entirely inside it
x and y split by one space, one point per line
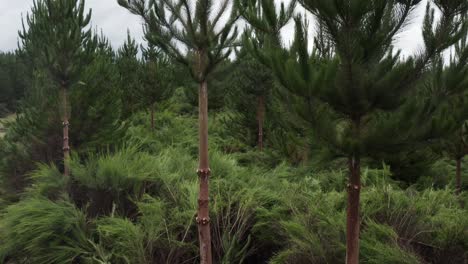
152 117
203 218
352 220
260 120
66 124
458 176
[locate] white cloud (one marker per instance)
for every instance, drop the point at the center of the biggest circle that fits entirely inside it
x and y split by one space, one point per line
107 15
10 21
115 20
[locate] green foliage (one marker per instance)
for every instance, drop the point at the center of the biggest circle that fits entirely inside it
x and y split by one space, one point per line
122 239
409 165
441 174
381 246
97 103
37 230
32 137
141 208
172 130
398 227
14 80
157 77
35 134
353 89
47 181
57 38
112 182
416 217
266 19
128 70
249 94
199 35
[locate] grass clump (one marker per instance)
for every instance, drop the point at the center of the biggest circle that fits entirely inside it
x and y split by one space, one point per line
37 230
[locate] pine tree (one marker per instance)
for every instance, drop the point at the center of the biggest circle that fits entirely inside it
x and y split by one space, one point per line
257 80
457 147
199 34
265 33
250 90
129 69
450 86
356 99
97 102
157 79
34 137
57 35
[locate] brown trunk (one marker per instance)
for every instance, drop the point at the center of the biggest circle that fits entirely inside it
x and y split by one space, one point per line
260 119
458 176
152 117
66 124
203 218
352 220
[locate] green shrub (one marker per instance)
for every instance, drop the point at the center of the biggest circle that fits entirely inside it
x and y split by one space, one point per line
110 182
430 222
123 239
37 230
315 233
172 131
380 245
47 181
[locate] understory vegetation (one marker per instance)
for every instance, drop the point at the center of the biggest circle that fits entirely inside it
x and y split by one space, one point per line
136 204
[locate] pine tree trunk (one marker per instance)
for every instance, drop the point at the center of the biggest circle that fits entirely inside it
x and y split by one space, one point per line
152 117
203 218
66 124
352 220
458 176
260 120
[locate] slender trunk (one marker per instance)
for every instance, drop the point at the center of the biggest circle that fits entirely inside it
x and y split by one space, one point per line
152 117
260 120
203 218
458 176
66 124
352 220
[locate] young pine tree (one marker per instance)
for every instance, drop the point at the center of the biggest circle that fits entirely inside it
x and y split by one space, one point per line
199 34
450 85
456 146
58 35
266 25
157 79
356 98
129 67
97 102
250 89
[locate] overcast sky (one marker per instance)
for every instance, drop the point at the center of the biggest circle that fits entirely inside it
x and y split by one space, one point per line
115 20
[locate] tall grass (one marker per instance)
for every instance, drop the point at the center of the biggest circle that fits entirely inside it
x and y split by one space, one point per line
138 205
37 230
